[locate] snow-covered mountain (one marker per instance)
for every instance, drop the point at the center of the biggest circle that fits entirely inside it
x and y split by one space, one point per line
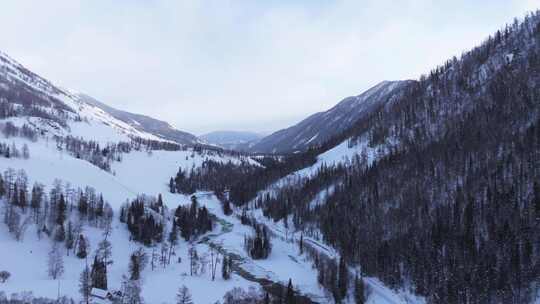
60 148
28 98
320 127
231 139
145 123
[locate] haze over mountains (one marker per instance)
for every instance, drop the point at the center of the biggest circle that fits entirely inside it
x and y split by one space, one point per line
232 140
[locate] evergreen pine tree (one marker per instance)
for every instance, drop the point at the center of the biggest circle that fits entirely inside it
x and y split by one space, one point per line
61 210
359 291
301 244
343 278
98 274
172 186
55 262
70 238
85 285
183 296
82 247
536 200
226 268
134 267
289 296
60 234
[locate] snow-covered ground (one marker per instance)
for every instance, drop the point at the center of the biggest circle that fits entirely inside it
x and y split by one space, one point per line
343 153
138 173
148 173
27 262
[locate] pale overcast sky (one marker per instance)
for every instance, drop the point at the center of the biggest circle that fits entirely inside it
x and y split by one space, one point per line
245 65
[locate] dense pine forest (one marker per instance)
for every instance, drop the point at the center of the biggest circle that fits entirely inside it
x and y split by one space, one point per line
242 181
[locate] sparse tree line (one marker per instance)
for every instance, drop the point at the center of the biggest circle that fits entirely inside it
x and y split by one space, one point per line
92 151
59 216
12 151
29 298
25 131
103 156
52 213
252 295
16 99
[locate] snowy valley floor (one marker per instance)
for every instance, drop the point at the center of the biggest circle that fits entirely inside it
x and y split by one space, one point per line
147 173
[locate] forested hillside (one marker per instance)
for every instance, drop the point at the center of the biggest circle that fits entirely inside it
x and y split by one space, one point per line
454 209
450 207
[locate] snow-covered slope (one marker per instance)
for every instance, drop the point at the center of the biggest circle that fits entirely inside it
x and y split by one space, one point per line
144 123
59 111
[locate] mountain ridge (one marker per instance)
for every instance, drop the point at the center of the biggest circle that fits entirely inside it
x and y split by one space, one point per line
322 126
143 122
60 111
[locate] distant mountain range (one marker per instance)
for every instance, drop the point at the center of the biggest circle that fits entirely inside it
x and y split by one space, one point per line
231 140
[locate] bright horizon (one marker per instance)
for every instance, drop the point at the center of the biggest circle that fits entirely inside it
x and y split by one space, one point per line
232 65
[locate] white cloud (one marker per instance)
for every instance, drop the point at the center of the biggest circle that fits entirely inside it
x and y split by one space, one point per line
239 64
